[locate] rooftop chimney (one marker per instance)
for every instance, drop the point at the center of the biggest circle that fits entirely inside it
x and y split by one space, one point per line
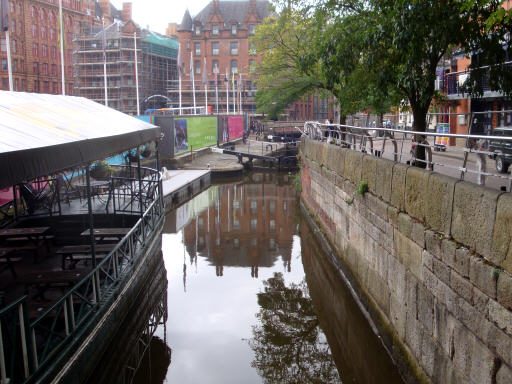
127 11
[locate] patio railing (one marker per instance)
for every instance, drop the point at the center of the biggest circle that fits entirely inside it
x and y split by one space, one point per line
466 163
28 347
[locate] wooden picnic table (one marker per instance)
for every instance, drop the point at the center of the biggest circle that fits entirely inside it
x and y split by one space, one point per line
76 253
44 280
29 233
35 236
101 233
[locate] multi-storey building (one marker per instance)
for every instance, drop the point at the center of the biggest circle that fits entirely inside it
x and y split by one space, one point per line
219 35
156 66
35 43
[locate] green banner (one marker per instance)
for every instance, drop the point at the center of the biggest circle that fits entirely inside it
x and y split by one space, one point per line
194 133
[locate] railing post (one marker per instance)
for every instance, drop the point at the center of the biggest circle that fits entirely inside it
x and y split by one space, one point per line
5 380
34 349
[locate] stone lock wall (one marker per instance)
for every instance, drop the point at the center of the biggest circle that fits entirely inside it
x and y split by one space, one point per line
431 255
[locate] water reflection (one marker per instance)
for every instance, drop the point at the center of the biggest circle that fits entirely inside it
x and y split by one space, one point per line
239 307
359 354
288 345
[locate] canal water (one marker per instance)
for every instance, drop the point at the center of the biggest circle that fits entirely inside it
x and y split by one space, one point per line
252 299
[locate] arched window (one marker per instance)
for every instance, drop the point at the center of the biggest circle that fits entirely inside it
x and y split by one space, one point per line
52 17
34 12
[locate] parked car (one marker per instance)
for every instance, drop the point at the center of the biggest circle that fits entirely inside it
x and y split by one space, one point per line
501 149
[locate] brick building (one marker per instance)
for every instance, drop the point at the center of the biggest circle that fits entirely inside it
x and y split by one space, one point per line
220 33
35 43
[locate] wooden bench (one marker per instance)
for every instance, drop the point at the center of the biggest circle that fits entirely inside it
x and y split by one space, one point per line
76 253
16 250
7 258
44 280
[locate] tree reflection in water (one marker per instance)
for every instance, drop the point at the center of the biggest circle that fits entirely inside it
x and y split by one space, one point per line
288 344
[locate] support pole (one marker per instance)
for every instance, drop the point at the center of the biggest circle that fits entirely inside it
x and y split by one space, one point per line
137 72
63 78
91 216
9 68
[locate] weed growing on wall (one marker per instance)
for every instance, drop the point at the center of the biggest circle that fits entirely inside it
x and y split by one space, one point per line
297 182
362 189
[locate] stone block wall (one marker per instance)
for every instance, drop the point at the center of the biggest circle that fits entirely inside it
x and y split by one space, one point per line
432 257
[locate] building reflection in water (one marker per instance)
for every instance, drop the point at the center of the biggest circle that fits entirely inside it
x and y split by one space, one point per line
249 224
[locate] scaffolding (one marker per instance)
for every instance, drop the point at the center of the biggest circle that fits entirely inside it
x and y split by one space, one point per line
114 48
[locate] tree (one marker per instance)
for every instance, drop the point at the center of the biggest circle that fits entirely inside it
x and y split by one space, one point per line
407 39
281 77
288 344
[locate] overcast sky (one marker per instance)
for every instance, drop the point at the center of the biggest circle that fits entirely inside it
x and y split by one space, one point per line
158 13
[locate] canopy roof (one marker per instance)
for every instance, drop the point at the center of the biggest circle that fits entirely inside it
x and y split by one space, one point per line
42 134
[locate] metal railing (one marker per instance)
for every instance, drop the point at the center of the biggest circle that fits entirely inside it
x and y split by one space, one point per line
468 162
27 347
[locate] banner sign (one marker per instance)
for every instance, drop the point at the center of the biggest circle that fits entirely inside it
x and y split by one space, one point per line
194 133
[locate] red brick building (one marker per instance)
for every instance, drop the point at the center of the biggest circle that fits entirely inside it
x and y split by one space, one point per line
35 45
220 33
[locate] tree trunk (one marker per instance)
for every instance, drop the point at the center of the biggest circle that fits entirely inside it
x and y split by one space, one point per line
419 125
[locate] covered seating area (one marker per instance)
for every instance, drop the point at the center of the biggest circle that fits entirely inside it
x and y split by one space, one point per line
74 217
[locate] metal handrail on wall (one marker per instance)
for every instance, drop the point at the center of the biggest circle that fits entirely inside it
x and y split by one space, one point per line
41 340
367 140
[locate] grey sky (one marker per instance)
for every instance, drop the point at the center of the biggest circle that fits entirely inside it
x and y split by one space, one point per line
158 13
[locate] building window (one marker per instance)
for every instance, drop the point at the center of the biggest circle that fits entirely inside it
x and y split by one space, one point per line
215 48
197 30
197 67
23 85
236 224
16 84
215 29
43 32
254 224
22 66
233 29
197 49
11 7
46 87
234 66
3 45
5 83
20 28
36 68
52 34
272 206
14 45
55 87
54 69
252 66
251 29
19 9
34 30
215 64
13 26
272 225
42 14
252 50
35 49
52 17
15 65
44 69
234 48
53 52
4 64
44 50
33 12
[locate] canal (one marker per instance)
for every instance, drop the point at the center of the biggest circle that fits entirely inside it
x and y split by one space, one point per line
251 298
